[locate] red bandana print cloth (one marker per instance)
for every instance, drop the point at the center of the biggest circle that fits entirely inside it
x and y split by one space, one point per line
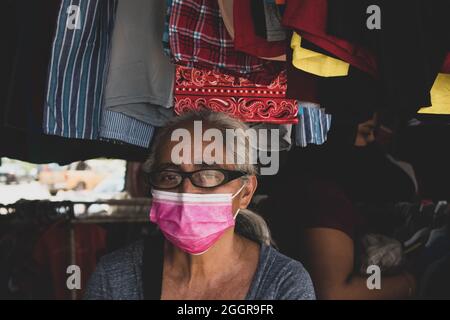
196 89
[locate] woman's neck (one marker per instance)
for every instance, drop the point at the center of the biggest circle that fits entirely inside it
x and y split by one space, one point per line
222 256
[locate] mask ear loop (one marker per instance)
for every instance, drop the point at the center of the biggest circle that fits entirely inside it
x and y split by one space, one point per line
239 191
235 195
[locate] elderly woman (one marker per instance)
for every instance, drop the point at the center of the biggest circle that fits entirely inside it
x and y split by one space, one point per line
213 247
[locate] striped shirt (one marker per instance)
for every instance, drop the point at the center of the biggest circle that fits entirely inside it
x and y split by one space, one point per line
122 128
78 68
313 125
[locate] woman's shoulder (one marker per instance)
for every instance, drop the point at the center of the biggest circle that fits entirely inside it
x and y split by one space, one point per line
117 275
279 262
122 263
286 277
124 257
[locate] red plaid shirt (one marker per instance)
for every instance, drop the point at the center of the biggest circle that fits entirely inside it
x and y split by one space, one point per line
198 38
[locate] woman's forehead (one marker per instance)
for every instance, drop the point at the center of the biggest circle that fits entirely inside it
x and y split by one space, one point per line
193 167
191 152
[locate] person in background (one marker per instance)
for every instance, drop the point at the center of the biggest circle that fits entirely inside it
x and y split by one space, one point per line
213 246
318 221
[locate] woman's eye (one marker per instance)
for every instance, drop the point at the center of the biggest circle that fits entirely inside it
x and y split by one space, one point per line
169 177
208 177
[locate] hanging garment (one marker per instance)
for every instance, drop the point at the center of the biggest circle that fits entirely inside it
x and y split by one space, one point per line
198 38
437 247
245 37
274 29
301 85
280 134
267 20
117 122
435 283
258 18
140 76
407 168
412 218
354 98
226 8
278 2
79 68
409 54
309 19
52 254
440 96
42 149
9 35
28 33
316 63
313 125
226 12
382 251
414 246
165 37
139 91
31 27
196 89
117 126
437 235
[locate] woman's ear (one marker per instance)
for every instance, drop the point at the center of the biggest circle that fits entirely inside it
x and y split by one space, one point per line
247 193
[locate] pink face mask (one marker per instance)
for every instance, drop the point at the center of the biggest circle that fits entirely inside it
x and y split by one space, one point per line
192 222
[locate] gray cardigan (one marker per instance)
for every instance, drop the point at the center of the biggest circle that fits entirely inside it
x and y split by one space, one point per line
119 277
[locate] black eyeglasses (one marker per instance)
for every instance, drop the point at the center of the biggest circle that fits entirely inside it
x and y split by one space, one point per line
205 178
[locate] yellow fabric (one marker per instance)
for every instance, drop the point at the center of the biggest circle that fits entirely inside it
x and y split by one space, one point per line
440 96
316 63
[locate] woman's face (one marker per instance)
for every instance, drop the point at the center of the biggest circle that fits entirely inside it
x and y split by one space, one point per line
165 161
366 133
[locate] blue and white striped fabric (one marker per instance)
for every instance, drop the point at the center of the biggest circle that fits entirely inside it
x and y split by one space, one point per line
79 68
122 128
313 126
165 38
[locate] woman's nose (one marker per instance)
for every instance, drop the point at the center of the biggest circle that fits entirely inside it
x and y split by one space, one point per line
187 186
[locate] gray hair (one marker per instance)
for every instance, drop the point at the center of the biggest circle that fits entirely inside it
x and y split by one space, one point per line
217 120
252 226
248 223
